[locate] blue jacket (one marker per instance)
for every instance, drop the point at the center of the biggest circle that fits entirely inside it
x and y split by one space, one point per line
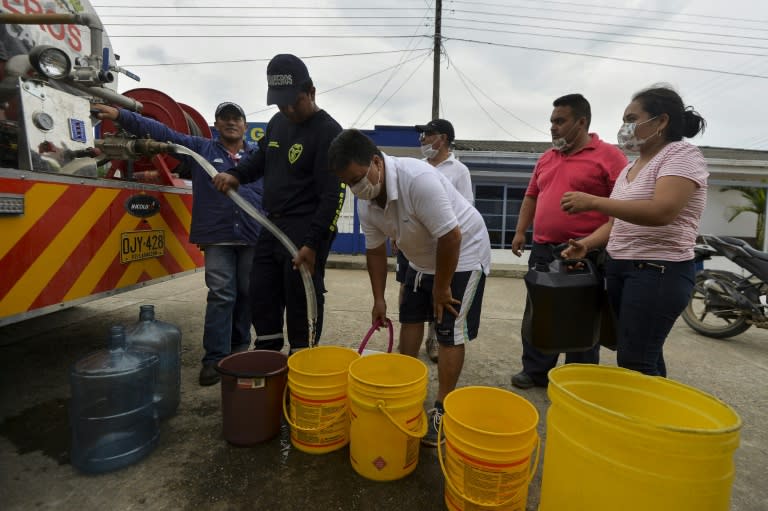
215 218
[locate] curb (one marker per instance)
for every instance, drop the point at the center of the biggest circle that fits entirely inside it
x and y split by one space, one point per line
343 262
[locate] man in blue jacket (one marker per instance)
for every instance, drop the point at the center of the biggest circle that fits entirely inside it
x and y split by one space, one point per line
225 232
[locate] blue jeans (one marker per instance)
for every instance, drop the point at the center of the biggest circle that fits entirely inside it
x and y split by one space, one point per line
648 296
228 311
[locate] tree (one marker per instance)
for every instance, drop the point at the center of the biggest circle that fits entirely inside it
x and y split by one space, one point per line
755 203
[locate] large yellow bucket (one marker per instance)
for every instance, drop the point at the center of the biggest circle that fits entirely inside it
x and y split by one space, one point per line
386 397
317 384
490 439
618 439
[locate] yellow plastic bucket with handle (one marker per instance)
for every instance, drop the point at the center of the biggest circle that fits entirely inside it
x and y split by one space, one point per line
317 386
619 439
491 449
386 398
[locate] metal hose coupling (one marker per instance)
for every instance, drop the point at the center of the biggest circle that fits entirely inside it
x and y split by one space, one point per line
124 148
149 147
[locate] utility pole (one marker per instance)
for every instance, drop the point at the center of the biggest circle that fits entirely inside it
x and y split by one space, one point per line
436 65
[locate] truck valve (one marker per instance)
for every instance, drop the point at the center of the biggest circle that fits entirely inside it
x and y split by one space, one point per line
122 148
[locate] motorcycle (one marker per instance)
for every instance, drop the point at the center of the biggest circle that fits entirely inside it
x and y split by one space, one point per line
723 303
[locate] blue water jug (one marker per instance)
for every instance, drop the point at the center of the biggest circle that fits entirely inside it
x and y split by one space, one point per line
564 306
164 340
112 414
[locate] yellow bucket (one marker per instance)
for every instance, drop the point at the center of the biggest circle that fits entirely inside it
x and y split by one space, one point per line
386 398
490 439
619 439
317 383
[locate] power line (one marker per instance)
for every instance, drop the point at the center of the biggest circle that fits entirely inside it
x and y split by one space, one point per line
633 27
269 7
260 25
516 16
489 98
308 57
615 34
239 17
395 91
405 8
506 24
490 117
633 43
602 6
400 25
260 36
538 7
343 36
582 54
362 78
390 77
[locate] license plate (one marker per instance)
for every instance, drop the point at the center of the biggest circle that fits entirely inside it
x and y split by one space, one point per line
136 245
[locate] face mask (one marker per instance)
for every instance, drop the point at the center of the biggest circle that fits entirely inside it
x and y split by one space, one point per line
628 140
364 189
561 144
428 152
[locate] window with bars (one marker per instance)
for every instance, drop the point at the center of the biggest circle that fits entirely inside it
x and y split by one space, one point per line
499 204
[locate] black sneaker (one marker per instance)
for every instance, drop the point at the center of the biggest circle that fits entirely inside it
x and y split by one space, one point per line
434 418
521 380
209 375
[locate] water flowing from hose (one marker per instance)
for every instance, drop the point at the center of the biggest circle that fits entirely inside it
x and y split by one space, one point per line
309 287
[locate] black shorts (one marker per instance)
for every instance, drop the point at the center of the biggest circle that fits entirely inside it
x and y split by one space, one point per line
417 306
402 267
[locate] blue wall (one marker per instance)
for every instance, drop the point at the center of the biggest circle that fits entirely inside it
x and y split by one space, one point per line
390 136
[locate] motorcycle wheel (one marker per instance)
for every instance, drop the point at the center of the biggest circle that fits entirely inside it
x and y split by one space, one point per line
707 322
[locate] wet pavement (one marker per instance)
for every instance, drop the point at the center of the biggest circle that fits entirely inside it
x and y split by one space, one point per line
194 468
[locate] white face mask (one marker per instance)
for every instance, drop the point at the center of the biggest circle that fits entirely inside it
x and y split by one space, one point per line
561 144
428 152
628 140
364 189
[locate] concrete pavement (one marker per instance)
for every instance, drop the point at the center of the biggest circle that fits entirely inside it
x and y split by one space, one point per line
194 468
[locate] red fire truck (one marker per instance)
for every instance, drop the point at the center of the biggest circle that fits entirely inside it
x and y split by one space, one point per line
82 215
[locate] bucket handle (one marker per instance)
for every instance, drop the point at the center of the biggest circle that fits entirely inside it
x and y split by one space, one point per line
458 492
373 328
336 416
382 406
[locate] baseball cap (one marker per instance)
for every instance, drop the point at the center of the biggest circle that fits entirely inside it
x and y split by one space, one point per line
286 74
230 105
437 126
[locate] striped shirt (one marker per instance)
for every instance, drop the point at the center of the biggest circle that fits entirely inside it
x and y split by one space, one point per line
672 242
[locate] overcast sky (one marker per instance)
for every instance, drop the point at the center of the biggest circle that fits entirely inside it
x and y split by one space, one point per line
502 62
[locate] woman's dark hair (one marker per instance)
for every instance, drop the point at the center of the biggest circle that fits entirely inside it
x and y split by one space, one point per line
684 121
350 146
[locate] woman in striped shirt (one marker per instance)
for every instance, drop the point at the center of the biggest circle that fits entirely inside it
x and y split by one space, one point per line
655 210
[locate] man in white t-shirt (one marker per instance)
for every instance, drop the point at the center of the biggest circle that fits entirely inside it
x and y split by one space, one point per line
443 236
436 138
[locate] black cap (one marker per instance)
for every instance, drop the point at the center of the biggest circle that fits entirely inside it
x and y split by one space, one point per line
437 126
229 105
286 74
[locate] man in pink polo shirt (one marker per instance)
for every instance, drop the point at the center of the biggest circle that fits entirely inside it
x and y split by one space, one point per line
578 161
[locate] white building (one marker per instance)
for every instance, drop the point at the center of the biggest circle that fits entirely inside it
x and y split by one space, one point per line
501 170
